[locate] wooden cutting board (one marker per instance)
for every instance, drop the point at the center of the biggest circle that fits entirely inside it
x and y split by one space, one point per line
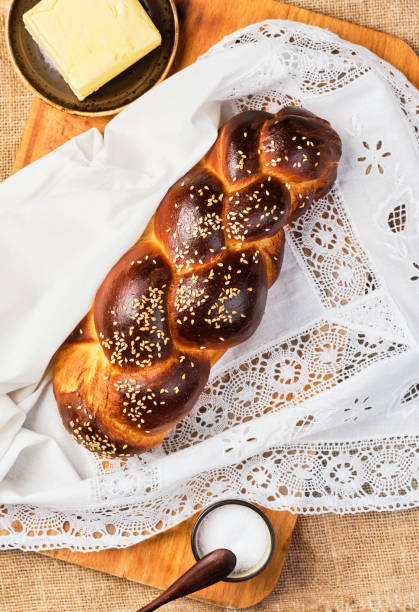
160 560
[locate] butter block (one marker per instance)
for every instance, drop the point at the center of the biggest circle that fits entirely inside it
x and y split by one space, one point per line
91 41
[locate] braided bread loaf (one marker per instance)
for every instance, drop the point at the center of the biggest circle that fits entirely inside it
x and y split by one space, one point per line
194 284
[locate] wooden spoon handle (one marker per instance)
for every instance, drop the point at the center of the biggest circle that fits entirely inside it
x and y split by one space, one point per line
215 566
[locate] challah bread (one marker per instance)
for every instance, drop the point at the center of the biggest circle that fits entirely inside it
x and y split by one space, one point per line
194 284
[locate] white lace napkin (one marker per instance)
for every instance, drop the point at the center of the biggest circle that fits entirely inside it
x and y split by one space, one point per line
319 410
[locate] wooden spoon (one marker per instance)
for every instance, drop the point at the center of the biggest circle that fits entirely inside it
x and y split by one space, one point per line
215 566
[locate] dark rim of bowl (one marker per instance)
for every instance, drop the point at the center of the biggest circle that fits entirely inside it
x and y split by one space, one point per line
81 113
238 502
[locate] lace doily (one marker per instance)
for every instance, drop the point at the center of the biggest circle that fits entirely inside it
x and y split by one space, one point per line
322 415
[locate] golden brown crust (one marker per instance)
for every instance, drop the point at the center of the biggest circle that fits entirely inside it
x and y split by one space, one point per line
222 304
130 309
194 284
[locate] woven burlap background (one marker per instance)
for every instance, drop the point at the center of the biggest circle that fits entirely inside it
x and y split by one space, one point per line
361 563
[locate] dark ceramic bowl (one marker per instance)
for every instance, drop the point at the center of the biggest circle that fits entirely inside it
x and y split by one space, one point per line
239 502
49 85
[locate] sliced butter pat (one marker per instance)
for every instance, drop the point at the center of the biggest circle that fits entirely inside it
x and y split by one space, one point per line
91 41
